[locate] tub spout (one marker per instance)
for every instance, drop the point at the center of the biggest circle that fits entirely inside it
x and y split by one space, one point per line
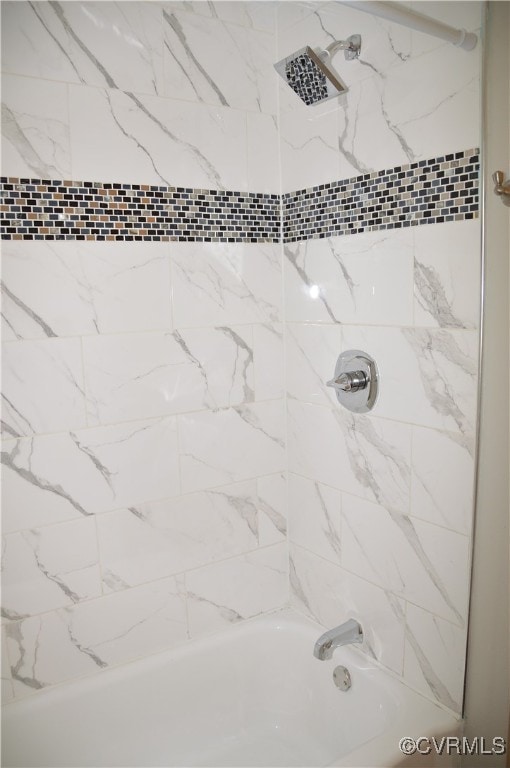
348 632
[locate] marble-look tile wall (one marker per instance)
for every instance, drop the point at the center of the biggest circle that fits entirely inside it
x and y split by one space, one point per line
380 505
143 421
179 94
144 386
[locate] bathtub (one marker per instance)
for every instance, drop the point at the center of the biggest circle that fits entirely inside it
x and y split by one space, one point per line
251 696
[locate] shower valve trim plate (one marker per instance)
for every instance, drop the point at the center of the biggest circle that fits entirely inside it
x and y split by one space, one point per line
355 381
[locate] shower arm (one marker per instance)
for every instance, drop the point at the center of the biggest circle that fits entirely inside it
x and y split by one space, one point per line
409 18
351 46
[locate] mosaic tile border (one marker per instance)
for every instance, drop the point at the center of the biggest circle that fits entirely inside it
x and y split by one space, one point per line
39 209
425 192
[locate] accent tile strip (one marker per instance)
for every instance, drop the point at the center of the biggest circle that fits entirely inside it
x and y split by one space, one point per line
40 209
424 192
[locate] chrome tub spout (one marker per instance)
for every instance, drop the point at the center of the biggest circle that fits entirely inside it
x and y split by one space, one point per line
348 632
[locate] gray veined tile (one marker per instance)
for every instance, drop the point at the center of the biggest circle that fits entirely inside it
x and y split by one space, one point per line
448 370
35 128
144 139
365 456
443 478
43 387
83 288
365 279
227 445
157 539
224 284
145 375
94 43
64 644
241 587
7 693
54 478
415 560
315 517
208 60
435 657
50 567
447 275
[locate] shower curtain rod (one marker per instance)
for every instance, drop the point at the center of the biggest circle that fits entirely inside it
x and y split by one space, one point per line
408 18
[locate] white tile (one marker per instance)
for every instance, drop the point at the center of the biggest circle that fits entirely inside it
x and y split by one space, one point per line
133 376
96 43
84 288
71 642
260 14
211 61
435 655
311 354
226 284
309 148
137 138
157 539
268 355
42 293
363 115
48 568
437 367
421 562
42 653
263 152
127 285
442 484
35 128
447 275
7 689
225 357
365 456
236 589
60 477
29 47
218 447
364 279
331 596
440 111
42 386
308 282
291 13
272 519
315 517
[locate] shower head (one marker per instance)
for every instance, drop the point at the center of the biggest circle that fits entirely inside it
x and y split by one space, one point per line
309 72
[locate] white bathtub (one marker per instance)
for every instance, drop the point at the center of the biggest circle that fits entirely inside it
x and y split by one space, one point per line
252 696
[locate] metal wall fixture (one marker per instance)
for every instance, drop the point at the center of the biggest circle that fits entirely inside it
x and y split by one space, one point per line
502 187
310 74
356 381
399 14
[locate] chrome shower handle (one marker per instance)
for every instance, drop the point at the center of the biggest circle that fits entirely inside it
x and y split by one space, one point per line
502 187
355 381
349 382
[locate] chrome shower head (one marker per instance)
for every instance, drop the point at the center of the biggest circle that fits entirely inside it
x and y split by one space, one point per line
309 72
